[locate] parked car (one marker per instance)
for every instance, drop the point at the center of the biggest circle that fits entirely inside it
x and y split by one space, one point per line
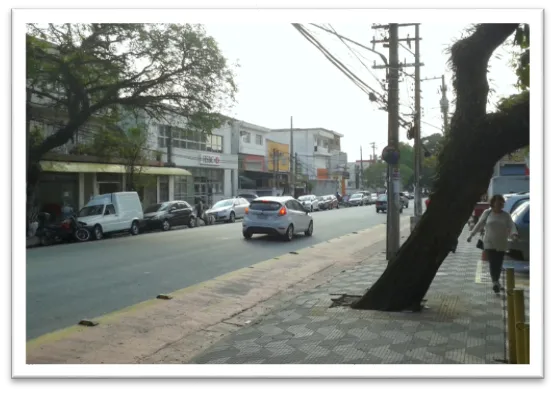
404 201
115 212
310 202
373 198
513 201
248 196
169 214
228 210
381 204
358 199
521 244
282 216
327 202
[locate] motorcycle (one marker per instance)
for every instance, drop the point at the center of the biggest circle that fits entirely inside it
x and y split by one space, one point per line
68 230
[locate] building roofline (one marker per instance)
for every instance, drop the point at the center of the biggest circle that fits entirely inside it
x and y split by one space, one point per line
309 129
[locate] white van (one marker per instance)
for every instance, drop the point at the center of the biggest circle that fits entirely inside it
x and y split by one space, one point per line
115 212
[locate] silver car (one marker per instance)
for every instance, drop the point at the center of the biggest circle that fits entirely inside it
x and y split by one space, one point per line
310 202
228 209
283 216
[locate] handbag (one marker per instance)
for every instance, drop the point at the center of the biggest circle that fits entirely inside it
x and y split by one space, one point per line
480 242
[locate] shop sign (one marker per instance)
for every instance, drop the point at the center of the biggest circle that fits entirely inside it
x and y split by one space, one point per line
208 159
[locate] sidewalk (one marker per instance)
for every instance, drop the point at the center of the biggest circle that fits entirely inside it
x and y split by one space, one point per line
464 322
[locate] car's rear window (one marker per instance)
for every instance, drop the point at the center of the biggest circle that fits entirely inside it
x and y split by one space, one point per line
382 198
265 206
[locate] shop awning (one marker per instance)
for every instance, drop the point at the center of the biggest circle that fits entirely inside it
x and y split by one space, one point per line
89 167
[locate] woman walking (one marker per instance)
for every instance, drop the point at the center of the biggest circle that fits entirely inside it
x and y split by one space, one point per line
498 226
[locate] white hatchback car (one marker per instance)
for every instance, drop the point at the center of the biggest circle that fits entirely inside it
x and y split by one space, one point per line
282 216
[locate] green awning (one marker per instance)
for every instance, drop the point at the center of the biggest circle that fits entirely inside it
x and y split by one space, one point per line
89 167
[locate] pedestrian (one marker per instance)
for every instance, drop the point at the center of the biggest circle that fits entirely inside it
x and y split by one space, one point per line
496 225
200 211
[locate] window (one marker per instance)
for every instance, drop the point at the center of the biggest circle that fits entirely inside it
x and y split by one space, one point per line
290 205
189 139
181 205
259 140
247 137
180 187
110 209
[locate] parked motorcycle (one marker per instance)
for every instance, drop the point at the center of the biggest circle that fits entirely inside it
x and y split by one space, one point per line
68 230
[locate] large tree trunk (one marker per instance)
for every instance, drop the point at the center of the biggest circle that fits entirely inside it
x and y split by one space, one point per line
476 142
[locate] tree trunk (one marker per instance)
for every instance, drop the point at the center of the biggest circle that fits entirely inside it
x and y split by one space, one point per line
465 166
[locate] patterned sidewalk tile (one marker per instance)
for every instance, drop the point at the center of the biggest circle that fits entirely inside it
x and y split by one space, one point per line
464 324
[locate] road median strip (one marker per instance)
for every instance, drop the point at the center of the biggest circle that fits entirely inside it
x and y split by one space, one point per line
194 317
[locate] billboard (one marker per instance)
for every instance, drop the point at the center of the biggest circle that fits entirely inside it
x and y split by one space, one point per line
281 152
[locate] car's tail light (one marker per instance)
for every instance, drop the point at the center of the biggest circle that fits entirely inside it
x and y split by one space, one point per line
282 211
246 210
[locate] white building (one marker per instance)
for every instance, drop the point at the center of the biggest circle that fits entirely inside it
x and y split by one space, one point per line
318 151
209 158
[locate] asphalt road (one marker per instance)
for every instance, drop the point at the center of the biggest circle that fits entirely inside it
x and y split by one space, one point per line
67 283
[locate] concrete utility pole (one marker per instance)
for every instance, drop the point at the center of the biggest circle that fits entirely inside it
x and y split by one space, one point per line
417 118
393 188
444 104
361 170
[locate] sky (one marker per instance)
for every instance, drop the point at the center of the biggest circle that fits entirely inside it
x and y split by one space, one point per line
281 74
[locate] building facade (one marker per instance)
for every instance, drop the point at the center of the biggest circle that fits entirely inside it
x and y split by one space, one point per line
209 158
318 156
254 176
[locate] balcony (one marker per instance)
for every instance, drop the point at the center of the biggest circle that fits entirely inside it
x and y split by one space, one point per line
321 151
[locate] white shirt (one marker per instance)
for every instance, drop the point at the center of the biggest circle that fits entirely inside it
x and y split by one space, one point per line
498 228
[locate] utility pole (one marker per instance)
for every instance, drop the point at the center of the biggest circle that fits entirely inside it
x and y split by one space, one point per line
393 206
444 104
373 144
291 163
361 170
417 118
276 163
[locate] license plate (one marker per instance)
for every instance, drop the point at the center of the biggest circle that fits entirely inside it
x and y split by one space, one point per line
262 216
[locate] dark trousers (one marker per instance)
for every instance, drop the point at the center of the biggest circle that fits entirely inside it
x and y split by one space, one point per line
495 259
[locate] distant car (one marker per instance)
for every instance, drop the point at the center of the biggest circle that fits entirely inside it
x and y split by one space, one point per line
358 199
310 202
381 204
521 218
373 198
281 216
169 214
228 209
327 202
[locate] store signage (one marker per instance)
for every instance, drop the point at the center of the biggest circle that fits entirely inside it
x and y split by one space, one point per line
208 159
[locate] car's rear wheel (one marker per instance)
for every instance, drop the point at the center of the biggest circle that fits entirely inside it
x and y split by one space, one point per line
289 234
232 217
166 226
247 234
134 230
192 220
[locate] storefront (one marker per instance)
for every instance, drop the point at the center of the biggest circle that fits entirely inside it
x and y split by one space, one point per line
74 183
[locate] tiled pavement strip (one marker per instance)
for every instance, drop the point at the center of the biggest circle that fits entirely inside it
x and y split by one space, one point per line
464 323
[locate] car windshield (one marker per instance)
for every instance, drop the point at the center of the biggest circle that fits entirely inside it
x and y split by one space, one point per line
224 203
356 196
519 210
94 210
158 207
305 198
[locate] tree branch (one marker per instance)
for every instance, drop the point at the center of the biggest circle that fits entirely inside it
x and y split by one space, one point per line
469 58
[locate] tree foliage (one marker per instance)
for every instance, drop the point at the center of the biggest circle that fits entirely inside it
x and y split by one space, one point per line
86 70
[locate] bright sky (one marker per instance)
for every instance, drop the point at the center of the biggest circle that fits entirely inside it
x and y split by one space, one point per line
281 74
